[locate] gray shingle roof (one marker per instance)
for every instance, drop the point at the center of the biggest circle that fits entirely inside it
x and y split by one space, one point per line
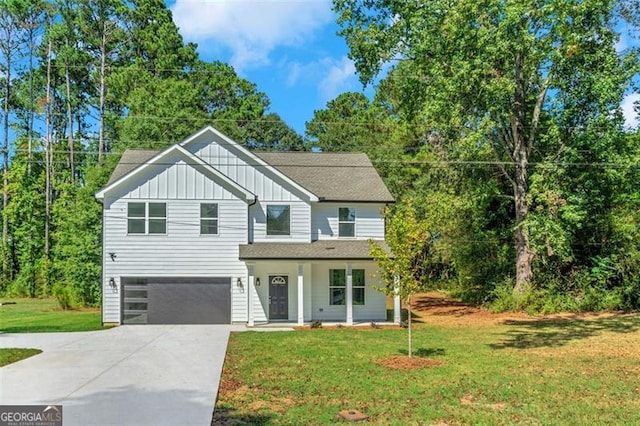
321 249
332 176
130 160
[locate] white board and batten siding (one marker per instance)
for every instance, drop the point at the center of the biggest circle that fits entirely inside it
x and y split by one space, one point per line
182 251
369 220
246 172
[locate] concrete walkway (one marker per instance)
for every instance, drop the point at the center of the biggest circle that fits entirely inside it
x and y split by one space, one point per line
128 375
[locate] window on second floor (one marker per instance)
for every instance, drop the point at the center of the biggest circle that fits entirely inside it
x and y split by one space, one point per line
278 220
346 222
208 219
147 218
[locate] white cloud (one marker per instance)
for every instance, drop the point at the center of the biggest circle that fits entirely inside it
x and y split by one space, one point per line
339 77
631 110
331 76
251 29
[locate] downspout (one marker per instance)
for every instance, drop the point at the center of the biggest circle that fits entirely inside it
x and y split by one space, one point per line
249 231
103 264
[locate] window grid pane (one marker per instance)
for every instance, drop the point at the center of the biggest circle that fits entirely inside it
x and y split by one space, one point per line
136 209
358 296
157 226
209 226
135 226
209 211
158 210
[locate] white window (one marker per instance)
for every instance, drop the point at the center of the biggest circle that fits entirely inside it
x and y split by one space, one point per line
338 286
278 220
346 222
147 218
208 219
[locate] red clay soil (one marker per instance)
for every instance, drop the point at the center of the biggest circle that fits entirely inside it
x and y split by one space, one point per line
439 309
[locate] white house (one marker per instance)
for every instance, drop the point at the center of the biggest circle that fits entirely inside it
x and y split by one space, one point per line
207 231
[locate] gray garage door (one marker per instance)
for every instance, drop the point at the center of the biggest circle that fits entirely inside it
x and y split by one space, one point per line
178 300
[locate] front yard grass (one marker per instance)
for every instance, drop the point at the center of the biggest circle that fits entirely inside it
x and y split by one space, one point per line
9 355
44 315
552 371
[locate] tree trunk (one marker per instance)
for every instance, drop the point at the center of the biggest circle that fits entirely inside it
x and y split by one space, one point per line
70 123
48 164
410 352
5 172
520 156
524 255
103 54
31 99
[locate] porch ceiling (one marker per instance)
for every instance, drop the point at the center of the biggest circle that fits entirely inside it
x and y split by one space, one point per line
317 250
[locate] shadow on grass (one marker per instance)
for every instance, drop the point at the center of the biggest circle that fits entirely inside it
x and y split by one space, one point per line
222 416
557 332
424 352
415 318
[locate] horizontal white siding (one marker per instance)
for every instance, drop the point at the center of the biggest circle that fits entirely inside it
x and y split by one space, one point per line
369 220
300 216
374 308
181 252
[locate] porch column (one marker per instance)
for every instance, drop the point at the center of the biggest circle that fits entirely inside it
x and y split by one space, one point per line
349 295
397 312
250 291
300 293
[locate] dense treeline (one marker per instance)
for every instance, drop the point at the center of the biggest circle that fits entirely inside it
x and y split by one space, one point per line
502 122
83 80
498 123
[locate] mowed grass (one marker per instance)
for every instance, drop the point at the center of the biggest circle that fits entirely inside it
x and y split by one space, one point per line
9 355
552 372
44 315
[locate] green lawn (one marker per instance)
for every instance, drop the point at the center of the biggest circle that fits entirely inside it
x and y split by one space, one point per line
44 315
552 372
9 355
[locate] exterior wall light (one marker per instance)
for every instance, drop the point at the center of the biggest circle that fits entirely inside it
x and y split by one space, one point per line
258 282
239 283
112 283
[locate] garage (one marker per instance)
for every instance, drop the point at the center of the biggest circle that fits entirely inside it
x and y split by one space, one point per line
176 300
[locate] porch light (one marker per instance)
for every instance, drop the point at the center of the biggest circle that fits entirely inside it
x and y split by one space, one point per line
258 282
239 283
112 283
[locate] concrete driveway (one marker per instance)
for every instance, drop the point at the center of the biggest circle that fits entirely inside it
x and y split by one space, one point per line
128 375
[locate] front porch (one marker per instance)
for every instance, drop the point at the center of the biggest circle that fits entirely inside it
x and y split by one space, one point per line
294 293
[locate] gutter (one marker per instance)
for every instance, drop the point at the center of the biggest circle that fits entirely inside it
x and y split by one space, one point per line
100 201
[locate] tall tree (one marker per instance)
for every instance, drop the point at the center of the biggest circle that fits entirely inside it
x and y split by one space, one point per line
487 68
11 40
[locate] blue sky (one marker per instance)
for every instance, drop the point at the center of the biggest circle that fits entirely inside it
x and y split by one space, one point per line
289 48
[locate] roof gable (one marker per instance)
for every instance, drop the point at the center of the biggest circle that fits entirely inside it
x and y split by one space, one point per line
127 170
212 135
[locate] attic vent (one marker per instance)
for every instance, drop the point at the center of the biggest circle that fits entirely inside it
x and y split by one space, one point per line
329 248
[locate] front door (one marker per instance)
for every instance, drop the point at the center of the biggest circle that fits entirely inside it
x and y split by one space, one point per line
278 297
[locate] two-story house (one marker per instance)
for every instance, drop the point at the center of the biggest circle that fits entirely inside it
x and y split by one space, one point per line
207 231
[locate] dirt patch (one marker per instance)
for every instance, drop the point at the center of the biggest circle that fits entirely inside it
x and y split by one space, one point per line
406 363
439 309
471 400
